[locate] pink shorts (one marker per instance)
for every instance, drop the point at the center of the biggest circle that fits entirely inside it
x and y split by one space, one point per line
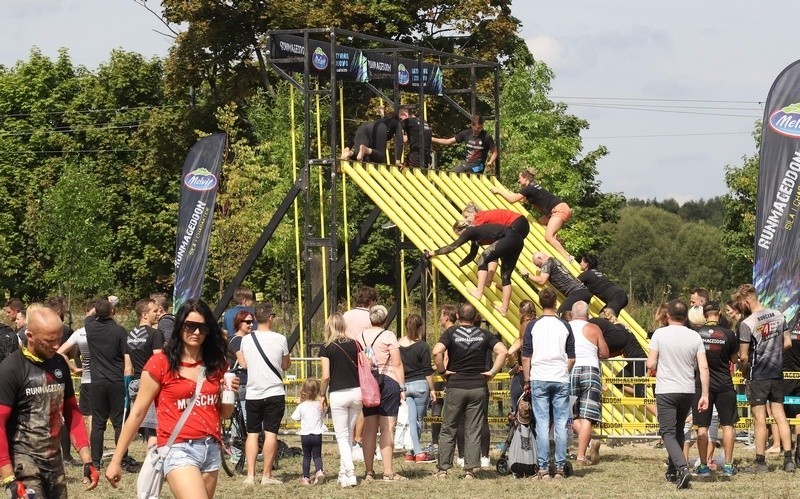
562 211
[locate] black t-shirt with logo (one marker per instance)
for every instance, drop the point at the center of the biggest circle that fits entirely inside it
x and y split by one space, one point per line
417 147
36 392
467 347
540 198
721 344
140 343
478 146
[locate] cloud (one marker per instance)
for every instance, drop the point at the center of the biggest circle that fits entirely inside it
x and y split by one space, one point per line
547 49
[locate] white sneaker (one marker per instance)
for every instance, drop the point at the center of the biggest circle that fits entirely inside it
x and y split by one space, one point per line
351 481
460 462
486 463
358 453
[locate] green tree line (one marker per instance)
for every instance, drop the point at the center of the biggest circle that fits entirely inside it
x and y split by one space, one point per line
90 161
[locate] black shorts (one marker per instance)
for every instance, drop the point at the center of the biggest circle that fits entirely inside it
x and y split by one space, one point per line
265 414
390 400
761 391
84 400
791 388
727 411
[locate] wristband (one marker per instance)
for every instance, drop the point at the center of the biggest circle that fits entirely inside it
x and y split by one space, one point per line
9 479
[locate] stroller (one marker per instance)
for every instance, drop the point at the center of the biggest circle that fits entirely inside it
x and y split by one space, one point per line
519 456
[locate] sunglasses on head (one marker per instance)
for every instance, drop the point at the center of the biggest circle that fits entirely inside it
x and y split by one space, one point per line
200 327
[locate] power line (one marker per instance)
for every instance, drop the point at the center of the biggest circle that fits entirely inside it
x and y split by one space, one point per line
760 103
68 130
665 135
77 151
675 111
90 111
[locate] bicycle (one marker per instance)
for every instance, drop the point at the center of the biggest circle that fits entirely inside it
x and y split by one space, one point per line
234 436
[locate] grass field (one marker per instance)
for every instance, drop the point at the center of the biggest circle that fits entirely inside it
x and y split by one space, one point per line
630 470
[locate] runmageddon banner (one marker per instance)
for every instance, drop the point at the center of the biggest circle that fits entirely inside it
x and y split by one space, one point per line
199 185
777 246
350 63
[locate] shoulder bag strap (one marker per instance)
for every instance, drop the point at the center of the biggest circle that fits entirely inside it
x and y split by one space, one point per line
201 378
264 356
345 352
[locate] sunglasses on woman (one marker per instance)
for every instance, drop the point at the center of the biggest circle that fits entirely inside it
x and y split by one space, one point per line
200 327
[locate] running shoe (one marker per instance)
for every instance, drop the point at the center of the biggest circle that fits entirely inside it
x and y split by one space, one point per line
702 470
424 457
728 470
684 476
409 457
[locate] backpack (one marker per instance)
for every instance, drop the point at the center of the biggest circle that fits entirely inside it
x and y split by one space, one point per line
9 342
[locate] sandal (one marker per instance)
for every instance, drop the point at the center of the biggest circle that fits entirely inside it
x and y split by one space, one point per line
394 477
468 475
369 476
440 474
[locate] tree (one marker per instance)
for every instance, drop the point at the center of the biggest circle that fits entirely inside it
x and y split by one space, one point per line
74 232
539 133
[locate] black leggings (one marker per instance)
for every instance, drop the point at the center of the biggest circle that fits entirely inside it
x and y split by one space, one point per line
508 248
108 400
312 447
373 136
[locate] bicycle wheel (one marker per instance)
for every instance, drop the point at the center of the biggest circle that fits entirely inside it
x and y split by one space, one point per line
233 439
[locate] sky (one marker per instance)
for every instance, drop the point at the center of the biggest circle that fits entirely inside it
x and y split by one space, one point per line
672 89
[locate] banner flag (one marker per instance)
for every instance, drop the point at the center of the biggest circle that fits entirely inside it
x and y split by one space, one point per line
382 74
350 63
777 245
199 185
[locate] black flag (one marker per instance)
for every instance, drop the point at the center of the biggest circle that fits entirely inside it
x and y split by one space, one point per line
777 246
199 185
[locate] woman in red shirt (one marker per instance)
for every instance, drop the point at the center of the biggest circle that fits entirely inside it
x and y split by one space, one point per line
170 378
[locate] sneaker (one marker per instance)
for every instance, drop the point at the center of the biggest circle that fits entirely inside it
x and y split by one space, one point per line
560 475
702 470
410 457
755 468
388 225
460 462
671 477
684 476
728 470
319 477
350 481
788 466
265 480
486 463
424 457
305 481
249 481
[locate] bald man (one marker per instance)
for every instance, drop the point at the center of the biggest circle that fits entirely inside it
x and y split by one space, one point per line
35 393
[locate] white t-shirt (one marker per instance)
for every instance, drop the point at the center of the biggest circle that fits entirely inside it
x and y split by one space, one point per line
79 338
677 348
309 413
261 381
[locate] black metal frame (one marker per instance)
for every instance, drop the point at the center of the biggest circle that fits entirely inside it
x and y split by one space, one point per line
330 242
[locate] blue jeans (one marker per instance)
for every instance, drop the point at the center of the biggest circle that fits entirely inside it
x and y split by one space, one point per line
417 396
544 395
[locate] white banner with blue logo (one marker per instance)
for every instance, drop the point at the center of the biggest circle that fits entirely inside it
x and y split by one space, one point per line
777 246
199 185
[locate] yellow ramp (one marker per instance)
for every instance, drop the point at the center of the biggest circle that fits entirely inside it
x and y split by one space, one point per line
425 204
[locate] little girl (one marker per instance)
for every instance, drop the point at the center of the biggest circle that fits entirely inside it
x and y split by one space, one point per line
310 412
